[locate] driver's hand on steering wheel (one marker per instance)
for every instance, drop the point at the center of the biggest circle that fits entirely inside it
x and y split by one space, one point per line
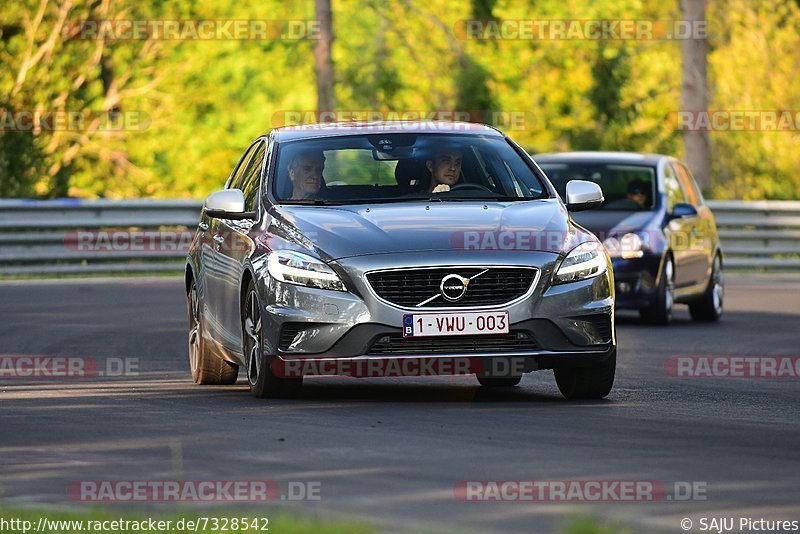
441 188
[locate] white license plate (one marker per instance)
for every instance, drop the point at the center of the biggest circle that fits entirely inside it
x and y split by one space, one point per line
454 324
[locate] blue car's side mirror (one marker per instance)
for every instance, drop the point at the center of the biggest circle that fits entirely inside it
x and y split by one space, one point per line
683 210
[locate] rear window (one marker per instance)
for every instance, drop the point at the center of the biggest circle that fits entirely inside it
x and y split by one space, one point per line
625 187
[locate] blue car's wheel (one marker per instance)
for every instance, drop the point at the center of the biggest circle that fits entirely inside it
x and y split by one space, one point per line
709 306
661 310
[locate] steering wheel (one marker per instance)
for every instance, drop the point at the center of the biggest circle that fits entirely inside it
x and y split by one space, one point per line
479 187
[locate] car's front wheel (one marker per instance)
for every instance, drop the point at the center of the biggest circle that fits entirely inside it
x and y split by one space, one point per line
591 382
709 307
661 310
260 375
207 368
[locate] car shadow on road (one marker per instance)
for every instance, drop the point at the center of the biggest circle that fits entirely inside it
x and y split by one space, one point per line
459 389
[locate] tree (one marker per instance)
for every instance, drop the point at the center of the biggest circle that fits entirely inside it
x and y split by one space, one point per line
323 63
694 92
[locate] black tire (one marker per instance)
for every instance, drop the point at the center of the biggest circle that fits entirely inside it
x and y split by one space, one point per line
260 376
661 311
206 367
709 307
499 382
594 382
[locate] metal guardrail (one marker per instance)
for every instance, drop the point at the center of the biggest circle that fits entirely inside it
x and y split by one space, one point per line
759 234
95 236
74 236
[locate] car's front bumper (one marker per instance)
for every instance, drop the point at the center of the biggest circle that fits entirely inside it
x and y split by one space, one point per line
636 281
562 324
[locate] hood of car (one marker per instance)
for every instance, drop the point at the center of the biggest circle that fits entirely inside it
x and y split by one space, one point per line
604 223
335 232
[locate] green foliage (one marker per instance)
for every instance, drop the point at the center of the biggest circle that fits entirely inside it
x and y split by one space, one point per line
203 101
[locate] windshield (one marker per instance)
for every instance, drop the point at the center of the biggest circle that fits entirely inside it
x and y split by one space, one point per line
625 187
403 167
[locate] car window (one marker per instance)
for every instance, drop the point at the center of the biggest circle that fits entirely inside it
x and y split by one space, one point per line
625 187
689 185
672 188
238 174
252 178
357 167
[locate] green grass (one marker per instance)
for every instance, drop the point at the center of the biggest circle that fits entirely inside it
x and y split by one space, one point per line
281 523
588 525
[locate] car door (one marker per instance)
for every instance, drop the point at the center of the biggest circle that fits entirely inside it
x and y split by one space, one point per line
215 268
702 237
236 248
678 230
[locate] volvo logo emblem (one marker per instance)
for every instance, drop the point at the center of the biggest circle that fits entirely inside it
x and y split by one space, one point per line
453 287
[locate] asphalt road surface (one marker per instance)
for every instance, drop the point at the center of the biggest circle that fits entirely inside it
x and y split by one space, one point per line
391 451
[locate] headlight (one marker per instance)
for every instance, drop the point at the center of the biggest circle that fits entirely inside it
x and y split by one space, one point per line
303 270
627 247
584 261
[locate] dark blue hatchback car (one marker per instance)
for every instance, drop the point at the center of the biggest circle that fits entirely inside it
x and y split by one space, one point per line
661 236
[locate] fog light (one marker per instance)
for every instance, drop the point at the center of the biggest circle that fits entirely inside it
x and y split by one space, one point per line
623 287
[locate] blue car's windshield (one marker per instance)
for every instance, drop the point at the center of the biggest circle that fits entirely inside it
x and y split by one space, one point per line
625 186
399 167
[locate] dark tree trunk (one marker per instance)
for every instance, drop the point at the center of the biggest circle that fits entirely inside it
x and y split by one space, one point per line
323 64
694 92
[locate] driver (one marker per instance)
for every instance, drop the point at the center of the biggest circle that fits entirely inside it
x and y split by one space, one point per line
637 192
445 169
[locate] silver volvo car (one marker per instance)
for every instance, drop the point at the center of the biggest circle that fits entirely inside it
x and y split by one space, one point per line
397 249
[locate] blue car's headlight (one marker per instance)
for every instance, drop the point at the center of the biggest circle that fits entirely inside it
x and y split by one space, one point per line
584 261
628 246
303 270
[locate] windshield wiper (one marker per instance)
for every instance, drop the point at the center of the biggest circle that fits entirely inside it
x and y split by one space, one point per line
307 201
495 198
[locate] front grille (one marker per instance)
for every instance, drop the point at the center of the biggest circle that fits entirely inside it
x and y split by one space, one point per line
410 287
395 344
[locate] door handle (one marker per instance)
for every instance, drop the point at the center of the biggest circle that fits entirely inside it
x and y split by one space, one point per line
203 226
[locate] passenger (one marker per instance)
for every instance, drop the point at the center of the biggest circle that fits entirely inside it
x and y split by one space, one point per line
305 172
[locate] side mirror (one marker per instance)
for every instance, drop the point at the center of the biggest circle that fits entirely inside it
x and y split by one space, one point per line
583 195
681 210
227 204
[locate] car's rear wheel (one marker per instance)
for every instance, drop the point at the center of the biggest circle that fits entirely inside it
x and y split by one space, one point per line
709 307
661 310
593 382
207 368
499 382
261 377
